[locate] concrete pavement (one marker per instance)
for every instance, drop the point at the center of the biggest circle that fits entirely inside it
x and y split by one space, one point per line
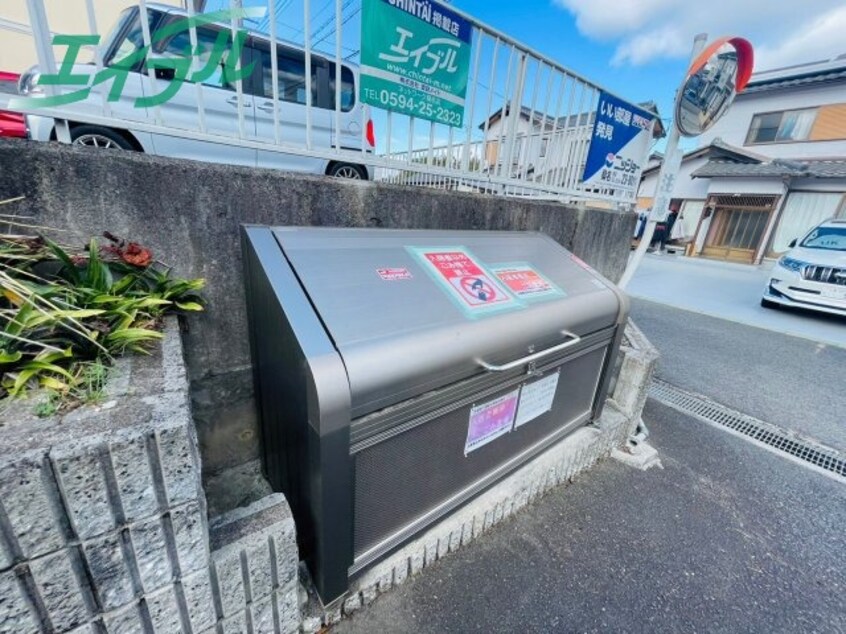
723 540
728 291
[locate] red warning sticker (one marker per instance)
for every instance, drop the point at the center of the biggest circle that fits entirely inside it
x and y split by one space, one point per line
526 282
465 279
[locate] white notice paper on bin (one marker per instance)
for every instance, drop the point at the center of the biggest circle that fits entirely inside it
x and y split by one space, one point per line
536 399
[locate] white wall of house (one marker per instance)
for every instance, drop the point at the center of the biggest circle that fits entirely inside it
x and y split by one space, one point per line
762 186
733 128
819 184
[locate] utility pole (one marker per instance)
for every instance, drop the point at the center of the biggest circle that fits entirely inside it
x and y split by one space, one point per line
666 182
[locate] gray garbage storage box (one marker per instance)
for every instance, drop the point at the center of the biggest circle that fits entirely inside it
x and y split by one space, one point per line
400 373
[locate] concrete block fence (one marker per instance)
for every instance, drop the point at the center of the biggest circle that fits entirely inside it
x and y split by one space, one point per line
103 520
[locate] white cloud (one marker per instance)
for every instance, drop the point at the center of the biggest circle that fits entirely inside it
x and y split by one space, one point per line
821 38
782 31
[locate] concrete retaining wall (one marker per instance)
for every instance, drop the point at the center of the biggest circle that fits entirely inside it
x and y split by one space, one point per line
103 520
189 214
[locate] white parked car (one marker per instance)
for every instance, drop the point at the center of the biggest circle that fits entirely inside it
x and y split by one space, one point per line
813 273
220 101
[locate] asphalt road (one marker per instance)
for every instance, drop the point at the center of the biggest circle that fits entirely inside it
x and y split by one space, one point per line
793 382
726 538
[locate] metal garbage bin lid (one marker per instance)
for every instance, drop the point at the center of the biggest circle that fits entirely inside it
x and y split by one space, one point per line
410 311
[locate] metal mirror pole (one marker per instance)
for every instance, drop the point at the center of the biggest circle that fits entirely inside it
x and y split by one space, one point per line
666 182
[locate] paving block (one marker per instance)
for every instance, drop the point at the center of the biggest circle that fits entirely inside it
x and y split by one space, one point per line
83 486
198 598
417 560
29 507
431 552
127 620
287 555
258 568
262 615
401 572
235 624
58 585
112 579
190 534
230 580
369 594
164 612
288 609
177 453
15 612
133 473
151 554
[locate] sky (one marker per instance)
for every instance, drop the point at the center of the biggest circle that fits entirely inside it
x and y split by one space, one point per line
639 49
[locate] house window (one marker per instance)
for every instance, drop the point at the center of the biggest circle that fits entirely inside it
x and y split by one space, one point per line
781 127
544 147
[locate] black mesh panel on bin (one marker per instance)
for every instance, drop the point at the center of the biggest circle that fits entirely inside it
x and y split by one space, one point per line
388 476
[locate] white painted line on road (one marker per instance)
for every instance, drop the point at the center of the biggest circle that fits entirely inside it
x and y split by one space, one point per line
802 450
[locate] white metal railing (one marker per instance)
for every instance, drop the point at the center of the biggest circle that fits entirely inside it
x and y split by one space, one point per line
527 123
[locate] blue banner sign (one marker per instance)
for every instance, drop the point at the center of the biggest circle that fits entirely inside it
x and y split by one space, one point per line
619 146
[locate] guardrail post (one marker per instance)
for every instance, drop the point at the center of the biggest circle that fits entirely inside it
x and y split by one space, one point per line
46 59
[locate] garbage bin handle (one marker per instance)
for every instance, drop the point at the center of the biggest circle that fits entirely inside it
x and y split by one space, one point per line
574 339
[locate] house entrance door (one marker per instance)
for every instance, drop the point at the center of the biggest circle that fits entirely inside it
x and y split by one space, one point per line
738 227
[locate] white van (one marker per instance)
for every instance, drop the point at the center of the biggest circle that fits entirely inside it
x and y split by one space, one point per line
220 101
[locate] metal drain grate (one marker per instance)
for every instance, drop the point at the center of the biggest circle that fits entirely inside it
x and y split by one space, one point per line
771 435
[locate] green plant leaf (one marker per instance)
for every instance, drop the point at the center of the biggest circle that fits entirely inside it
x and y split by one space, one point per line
43 366
134 334
20 380
97 273
56 316
123 284
10 357
52 383
48 356
192 306
69 267
16 325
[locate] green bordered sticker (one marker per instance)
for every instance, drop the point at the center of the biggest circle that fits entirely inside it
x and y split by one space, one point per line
526 282
466 281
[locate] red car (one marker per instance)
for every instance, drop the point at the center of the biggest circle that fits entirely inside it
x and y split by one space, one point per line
11 123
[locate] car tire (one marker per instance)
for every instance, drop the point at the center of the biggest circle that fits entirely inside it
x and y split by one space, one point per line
95 136
347 170
768 304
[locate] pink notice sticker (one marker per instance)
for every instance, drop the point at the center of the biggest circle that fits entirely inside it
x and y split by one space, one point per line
394 275
491 420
